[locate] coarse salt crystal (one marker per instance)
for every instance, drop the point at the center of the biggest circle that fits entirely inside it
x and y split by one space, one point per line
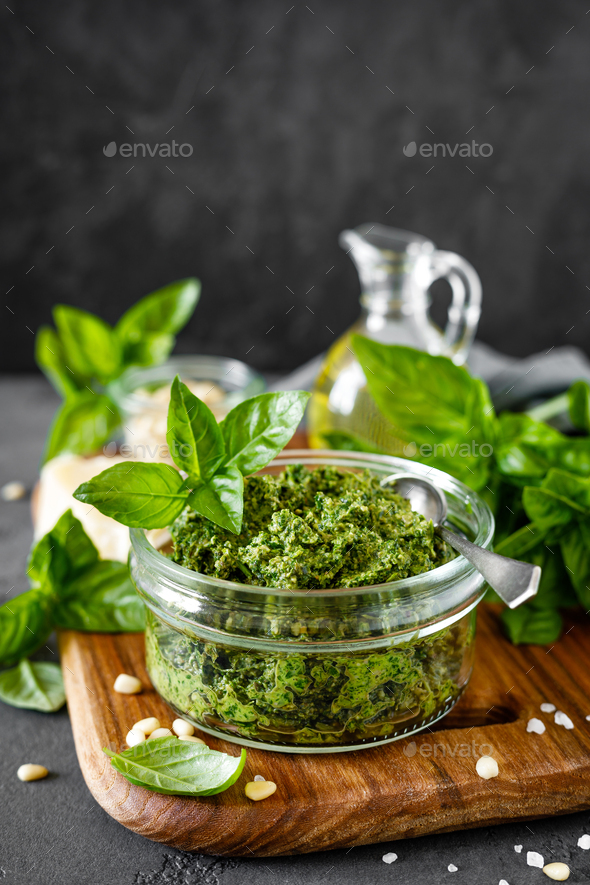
534 859
452 868
536 726
389 858
561 718
587 718
547 708
518 848
584 842
258 777
502 882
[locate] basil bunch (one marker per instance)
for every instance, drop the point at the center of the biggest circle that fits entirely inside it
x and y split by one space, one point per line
71 588
214 458
535 479
178 768
83 354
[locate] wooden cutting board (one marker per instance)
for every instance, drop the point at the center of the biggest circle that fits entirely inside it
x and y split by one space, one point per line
419 785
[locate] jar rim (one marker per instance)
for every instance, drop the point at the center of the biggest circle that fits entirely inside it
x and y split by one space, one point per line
432 583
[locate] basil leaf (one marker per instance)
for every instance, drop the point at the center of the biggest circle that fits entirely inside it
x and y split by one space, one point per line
25 624
91 347
194 438
82 425
221 499
101 600
140 495
178 768
256 430
575 547
147 329
521 542
49 356
527 449
61 554
33 686
532 626
579 405
348 442
549 509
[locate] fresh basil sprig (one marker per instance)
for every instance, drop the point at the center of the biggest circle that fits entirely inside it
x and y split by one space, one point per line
178 768
33 685
72 588
83 354
215 457
535 478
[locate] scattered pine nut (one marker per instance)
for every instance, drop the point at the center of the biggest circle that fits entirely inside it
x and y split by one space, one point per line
189 737
135 736
13 491
180 727
535 726
160 733
31 772
147 725
557 871
126 684
259 790
562 718
487 767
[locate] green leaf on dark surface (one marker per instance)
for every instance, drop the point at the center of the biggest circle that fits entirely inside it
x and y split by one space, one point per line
33 685
256 430
178 768
579 405
49 355
221 499
139 495
83 424
25 624
101 600
147 329
91 348
528 625
194 438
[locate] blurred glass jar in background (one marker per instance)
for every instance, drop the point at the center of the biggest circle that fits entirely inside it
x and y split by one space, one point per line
396 269
143 394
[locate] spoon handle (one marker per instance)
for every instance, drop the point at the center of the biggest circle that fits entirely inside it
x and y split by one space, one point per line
513 581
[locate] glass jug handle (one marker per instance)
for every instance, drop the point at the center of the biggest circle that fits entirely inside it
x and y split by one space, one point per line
465 307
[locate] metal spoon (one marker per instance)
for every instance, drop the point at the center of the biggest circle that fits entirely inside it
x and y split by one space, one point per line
513 581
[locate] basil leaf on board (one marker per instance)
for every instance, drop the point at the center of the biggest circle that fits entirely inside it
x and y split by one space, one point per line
221 499
25 624
528 625
140 495
100 600
194 438
90 345
433 403
147 329
83 424
49 356
256 430
178 768
33 685
579 405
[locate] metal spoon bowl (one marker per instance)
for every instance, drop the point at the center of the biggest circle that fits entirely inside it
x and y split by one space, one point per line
513 581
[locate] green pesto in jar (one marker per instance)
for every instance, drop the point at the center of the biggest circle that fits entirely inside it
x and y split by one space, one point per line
310 529
313 529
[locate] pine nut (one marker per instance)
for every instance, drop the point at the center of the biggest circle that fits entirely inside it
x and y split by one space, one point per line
30 772
135 736
147 725
557 871
13 491
189 737
160 733
126 684
486 767
180 727
257 790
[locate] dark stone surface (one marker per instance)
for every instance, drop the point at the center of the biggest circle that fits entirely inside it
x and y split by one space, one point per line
294 138
53 832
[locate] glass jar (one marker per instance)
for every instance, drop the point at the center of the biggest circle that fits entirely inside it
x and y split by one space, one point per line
142 395
396 269
322 670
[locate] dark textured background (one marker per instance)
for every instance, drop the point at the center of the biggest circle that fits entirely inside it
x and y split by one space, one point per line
294 139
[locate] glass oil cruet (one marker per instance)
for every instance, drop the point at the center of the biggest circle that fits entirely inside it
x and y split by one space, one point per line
396 269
